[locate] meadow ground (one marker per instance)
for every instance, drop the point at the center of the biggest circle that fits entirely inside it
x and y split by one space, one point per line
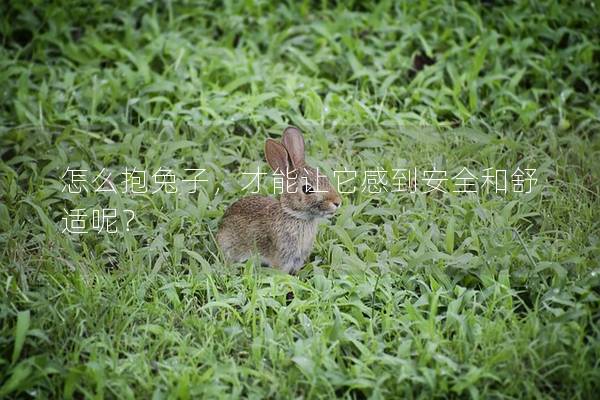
481 295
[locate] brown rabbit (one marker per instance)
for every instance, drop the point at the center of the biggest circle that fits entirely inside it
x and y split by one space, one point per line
281 231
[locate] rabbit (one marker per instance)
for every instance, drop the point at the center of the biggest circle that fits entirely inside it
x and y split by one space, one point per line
282 231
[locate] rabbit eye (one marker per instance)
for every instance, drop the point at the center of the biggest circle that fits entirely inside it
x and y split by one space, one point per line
307 189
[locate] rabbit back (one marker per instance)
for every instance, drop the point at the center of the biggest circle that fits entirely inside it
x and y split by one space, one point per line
258 224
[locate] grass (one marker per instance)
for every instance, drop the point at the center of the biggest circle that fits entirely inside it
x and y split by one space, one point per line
408 295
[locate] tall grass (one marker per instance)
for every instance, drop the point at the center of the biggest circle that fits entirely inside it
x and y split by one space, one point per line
487 295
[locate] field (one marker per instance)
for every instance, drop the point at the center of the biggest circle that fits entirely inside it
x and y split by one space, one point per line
410 293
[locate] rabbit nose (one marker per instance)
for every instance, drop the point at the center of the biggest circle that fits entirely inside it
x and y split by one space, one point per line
336 203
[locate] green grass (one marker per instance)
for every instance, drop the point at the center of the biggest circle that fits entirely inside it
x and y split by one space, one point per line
405 295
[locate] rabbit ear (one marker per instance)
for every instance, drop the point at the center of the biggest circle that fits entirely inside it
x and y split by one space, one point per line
294 144
277 156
